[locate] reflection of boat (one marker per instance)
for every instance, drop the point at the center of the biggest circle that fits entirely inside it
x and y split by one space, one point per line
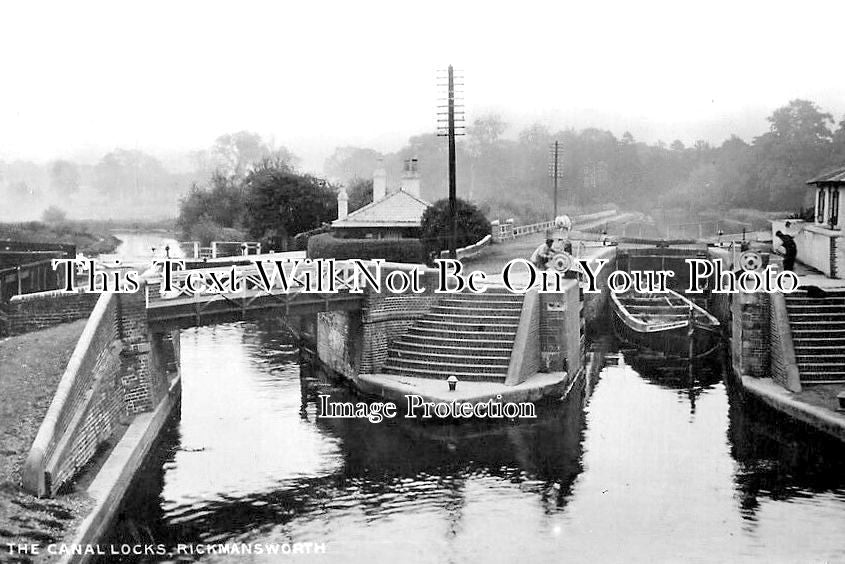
660 321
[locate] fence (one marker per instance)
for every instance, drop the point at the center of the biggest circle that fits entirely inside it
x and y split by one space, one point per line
29 278
470 251
219 249
507 230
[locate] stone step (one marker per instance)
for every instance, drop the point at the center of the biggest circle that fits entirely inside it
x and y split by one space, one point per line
793 300
440 308
817 346
442 365
494 359
490 326
811 344
461 335
441 342
817 330
439 375
483 301
821 360
469 316
813 366
815 323
822 377
820 308
817 317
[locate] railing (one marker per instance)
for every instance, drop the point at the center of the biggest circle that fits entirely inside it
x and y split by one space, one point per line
704 229
27 278
507 230
207 282
220 249
470 251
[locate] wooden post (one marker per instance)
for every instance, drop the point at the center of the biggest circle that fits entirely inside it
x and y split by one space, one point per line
20 287
691 332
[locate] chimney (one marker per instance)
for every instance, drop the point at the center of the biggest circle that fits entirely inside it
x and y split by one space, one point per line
342 203
379 181
411 177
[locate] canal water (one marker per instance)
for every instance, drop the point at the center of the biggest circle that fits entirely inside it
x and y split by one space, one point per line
632 467
637 465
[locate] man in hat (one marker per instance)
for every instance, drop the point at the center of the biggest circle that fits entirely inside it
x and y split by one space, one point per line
543 253
790 250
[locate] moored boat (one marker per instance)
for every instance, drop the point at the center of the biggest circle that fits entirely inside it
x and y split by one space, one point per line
660 321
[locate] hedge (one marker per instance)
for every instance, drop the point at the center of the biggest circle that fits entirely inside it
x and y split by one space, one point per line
391 250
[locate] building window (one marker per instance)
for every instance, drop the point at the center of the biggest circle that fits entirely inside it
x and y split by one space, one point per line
834 206
820 205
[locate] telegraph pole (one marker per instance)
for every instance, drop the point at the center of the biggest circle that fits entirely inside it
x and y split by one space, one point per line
449 132
555 169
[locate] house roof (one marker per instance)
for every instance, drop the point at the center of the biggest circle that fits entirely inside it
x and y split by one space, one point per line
398 209
834 177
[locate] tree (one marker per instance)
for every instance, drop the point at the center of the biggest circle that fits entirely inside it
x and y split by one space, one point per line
436 225
280 203
221 201
360 193
796 147
234 152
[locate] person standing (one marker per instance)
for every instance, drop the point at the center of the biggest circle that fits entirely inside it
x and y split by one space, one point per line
790 250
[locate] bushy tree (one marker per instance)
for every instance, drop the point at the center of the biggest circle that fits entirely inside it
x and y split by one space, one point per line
360 193
219 202
280 203
794 150
436 225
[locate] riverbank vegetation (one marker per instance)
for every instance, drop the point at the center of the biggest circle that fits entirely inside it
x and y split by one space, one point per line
32 366
90 240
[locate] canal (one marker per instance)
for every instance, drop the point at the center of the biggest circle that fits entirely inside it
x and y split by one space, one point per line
637 465
633 466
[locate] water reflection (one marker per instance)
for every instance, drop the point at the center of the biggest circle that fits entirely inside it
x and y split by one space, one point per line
635 467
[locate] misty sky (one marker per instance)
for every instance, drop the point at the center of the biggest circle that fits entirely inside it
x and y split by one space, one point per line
81 78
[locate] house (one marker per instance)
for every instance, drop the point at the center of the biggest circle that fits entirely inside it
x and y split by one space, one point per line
821 244
393 215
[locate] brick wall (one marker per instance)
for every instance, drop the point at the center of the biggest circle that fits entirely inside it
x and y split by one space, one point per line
117 369
561 330
144 378
750 325
30 312
386 316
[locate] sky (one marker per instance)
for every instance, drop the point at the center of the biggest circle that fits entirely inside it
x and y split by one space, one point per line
81 78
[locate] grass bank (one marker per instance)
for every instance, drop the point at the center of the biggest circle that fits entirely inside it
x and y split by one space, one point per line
31 366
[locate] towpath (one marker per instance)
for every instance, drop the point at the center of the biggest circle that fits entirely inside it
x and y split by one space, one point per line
31 366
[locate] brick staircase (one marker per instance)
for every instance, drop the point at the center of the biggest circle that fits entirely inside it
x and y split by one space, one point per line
468 335
818 336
